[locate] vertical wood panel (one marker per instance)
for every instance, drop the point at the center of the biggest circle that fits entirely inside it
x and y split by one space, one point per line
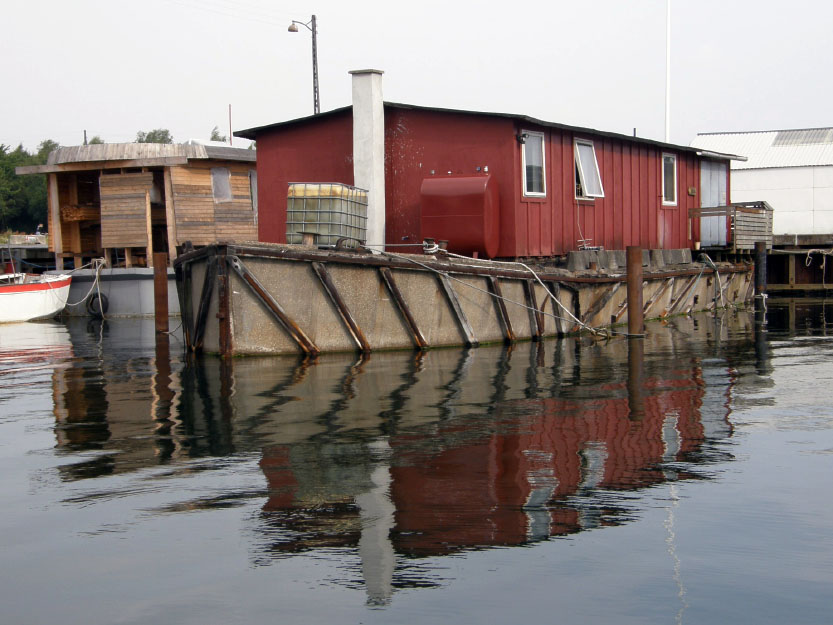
653 190
545 234
568 233
149 229
125 210
619 207
56 243
627 207
170 215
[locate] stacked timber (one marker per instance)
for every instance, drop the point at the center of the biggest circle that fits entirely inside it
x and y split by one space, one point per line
125 210
206 213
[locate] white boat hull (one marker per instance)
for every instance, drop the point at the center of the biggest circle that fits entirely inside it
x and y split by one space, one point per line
41 298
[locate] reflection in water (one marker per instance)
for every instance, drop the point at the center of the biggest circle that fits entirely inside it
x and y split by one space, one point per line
397 456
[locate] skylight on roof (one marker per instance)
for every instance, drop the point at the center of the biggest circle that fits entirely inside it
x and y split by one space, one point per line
812 136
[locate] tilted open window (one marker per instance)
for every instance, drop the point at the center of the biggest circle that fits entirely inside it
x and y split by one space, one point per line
669 180
588 178
533 164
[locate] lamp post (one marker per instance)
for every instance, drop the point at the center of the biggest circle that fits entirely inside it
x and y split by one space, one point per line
293 28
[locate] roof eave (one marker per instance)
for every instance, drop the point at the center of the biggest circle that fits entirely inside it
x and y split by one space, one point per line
252 133
720 155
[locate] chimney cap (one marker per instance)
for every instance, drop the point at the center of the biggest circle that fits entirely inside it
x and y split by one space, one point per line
366 71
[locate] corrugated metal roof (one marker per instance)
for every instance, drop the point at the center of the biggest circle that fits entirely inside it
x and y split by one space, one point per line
227 153
141 151
808 147
252 133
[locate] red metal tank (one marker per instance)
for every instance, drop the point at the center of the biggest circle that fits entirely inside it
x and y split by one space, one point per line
464 210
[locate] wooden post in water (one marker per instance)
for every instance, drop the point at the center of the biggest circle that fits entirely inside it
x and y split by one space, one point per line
760 269
760 283
160 290
636 317
636 397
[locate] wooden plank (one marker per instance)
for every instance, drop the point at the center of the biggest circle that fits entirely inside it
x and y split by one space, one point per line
341 307
404 310
125 213
469 338
92 166
600 302
170 216
667 284
279 314
208 282
149 226
682 299
536 321
500 306
558 314
55 234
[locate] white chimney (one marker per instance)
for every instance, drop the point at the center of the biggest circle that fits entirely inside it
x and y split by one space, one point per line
369 148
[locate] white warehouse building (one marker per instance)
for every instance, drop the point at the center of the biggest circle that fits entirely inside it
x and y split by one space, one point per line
792 170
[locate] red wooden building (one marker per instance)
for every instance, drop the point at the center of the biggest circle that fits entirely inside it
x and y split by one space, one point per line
502 185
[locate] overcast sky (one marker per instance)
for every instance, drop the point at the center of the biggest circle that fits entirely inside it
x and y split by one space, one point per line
114 68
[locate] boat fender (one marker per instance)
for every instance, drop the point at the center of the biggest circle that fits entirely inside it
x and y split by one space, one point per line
97 305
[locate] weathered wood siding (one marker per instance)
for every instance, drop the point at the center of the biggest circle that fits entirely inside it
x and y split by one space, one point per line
124 209
202 220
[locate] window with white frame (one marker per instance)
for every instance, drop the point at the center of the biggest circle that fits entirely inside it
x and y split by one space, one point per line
588 178
533 164
221 184
669 180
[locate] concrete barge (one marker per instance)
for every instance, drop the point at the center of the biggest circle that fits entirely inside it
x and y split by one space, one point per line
239 299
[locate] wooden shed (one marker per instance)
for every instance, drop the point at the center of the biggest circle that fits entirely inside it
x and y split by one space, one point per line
124 201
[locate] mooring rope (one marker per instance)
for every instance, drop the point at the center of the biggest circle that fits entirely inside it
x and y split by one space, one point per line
99 264
592 330
541 282
824 254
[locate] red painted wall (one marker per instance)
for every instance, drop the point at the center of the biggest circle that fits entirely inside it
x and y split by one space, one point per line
419 141
307 152
631 211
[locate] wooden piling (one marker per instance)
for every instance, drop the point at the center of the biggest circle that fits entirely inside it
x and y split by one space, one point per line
760 283
160 290
636 317
636 375
760 269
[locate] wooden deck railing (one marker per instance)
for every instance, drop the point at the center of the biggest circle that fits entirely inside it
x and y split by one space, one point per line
749 223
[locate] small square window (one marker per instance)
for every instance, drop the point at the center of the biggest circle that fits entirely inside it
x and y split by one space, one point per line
533 164
221 184
588 178
669 179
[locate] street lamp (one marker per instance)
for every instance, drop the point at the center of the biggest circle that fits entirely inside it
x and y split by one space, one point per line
293 28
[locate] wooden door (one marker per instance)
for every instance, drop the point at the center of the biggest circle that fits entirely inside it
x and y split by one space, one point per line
712 193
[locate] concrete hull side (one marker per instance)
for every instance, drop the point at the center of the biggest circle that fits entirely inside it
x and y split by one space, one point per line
129 292
317 302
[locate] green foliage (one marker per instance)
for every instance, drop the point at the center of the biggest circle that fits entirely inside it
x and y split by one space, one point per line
96 140
22 198
216 136
157 135
44 148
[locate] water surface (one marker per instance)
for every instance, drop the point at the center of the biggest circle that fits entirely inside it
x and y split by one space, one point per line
684 478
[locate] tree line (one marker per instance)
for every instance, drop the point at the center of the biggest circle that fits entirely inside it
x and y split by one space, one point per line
23 204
